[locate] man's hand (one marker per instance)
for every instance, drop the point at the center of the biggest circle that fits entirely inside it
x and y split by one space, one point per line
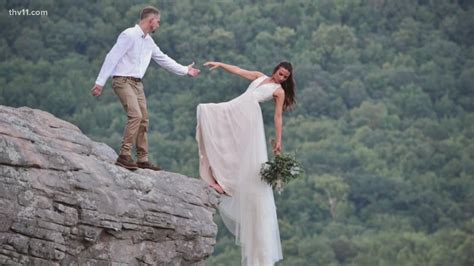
97 90
193 72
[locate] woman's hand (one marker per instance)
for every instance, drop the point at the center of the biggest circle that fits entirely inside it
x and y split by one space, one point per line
212 65
276 147
250 75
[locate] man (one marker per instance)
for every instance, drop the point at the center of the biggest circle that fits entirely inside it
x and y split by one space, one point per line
127 62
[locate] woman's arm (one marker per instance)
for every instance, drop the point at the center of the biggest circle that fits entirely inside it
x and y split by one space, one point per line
279 96
251 75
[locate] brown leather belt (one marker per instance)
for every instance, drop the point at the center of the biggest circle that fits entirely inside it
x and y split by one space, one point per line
130 78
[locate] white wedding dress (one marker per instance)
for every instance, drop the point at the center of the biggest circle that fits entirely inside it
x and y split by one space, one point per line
232 149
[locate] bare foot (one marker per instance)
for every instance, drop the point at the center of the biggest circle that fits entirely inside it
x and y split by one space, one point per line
218 188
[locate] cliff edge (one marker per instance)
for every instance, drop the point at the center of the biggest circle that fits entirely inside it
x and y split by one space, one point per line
64 202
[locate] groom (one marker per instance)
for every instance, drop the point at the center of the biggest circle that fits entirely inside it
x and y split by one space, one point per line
127 62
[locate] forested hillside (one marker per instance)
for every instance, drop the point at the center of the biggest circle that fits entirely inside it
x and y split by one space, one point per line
384 124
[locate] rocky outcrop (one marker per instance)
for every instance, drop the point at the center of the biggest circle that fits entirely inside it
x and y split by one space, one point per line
64 202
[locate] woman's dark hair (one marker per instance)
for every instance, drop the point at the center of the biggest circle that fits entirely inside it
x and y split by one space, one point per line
288 85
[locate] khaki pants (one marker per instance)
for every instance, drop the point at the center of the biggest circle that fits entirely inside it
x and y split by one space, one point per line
132 97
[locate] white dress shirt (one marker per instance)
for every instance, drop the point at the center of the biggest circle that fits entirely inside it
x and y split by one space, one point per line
131 54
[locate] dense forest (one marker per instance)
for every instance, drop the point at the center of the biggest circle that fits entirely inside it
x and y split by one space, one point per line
384 124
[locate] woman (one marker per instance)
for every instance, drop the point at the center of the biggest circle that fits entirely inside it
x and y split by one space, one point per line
232 149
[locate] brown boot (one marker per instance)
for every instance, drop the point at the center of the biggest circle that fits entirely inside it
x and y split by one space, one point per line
126 161
148 165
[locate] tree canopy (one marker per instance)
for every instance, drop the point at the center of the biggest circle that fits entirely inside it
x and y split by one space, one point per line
384 123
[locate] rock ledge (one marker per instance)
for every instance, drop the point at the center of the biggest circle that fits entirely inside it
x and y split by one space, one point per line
64 202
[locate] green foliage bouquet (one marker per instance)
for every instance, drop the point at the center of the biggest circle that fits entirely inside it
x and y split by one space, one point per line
280 170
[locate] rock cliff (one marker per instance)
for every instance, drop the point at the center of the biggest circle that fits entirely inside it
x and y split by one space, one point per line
64 202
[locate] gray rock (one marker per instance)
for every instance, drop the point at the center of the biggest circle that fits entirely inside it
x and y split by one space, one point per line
64 202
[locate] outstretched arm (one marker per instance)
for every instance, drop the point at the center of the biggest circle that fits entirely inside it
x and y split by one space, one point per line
279 96
170 64
251 75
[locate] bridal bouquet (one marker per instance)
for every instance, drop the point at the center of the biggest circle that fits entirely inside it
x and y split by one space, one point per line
280 170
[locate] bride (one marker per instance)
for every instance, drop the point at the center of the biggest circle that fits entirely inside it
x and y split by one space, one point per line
232 149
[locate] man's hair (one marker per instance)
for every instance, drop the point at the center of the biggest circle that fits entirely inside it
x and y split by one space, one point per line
149 10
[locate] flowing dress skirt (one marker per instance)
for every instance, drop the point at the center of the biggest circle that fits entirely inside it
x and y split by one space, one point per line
232 149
